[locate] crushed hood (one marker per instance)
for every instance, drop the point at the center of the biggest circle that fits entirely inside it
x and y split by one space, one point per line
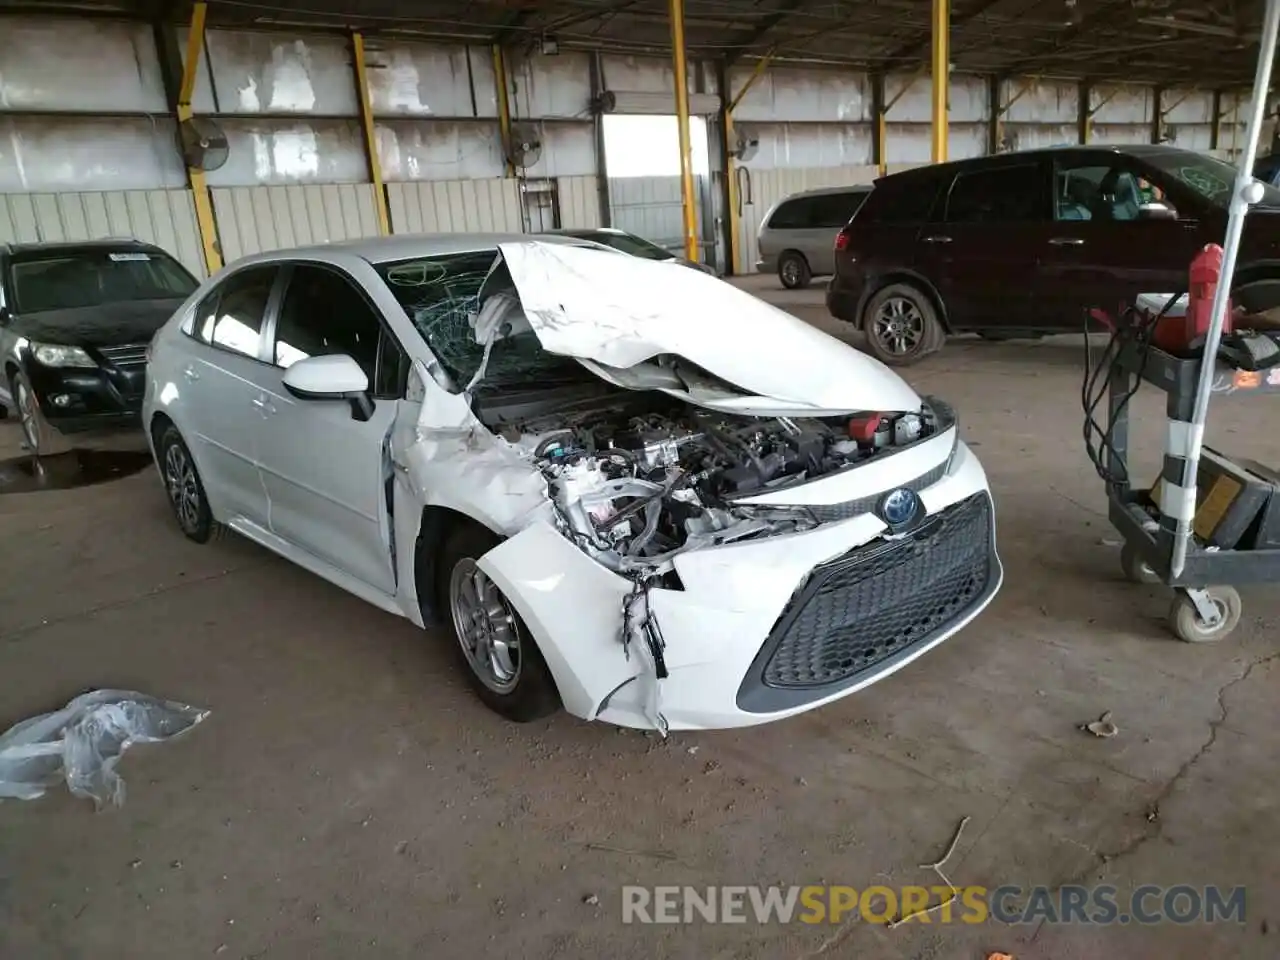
614 312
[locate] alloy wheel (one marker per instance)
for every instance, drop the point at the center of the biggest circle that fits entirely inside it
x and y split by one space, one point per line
27 416
791 272
486 627
899 326
182 486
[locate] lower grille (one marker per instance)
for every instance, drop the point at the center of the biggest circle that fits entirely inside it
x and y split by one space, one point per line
131 355
882 599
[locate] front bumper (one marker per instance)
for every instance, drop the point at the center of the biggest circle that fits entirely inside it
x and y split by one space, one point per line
78 401
733 651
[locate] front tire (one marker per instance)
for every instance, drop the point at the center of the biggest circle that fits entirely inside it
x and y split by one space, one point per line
902 326
35 431
502 662
793 271
183 485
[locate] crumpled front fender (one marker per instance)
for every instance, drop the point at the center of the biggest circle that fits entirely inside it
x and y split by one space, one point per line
573 608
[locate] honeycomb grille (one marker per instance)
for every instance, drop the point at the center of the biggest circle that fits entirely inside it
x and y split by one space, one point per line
880 600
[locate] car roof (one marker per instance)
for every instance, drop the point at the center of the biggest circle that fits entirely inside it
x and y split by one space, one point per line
378 250
995 160
77 246
831 191
586 232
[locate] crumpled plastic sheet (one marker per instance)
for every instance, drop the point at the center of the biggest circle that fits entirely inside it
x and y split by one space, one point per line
82 742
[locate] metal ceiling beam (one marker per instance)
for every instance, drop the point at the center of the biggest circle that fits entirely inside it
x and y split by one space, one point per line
921 43
1106 12
762 29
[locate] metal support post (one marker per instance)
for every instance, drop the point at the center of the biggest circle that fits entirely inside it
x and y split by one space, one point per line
370 134
688 200
940 64
504 107
205 222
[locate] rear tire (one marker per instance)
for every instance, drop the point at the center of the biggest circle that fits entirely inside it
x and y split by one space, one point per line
501 660
901 325
183 486
793 271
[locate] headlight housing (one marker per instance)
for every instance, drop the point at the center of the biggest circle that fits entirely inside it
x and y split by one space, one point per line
56 355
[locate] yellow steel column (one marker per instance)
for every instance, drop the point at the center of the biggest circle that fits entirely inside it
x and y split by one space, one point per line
682 119
370 134
882 132
504 106
730 144
205 221
940 65
731 172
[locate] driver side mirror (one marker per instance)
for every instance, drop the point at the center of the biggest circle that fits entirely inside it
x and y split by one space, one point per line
1156 210
335 377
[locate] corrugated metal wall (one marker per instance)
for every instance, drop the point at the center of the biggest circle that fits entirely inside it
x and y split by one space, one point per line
579 202
253 219
455 206
166 218
87 137
767 187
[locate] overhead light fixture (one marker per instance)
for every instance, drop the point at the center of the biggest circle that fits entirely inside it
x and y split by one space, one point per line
549 46
1190 26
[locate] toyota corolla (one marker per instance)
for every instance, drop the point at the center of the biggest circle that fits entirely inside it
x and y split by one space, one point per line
626 488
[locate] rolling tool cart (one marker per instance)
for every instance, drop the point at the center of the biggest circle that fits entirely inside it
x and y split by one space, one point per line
1209 522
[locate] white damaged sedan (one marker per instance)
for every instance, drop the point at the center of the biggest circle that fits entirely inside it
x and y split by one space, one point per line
629 488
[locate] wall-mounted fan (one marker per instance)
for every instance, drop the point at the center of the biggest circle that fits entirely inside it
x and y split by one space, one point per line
746 145
526 145
203 144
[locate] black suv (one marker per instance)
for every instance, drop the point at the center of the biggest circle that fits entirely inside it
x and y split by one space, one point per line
75 323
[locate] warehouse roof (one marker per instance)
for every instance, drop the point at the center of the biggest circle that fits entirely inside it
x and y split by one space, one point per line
1188 42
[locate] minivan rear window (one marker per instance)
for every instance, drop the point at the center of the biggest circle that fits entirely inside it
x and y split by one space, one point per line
825 211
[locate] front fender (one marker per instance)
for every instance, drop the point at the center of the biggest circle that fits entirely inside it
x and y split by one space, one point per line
573 608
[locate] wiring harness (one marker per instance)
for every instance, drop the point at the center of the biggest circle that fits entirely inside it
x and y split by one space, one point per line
1133 329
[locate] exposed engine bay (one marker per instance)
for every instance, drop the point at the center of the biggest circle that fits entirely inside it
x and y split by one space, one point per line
636 477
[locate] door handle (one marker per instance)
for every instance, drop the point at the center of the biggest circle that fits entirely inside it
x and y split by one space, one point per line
1067 242
190 373
265 406
937 239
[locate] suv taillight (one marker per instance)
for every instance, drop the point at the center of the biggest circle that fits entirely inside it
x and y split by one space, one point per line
842 239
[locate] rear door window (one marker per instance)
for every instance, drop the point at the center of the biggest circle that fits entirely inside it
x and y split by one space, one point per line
231 316
1006 194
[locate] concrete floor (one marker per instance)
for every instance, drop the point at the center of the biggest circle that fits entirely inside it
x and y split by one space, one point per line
349 797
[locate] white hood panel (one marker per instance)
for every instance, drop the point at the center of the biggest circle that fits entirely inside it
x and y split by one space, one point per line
620 311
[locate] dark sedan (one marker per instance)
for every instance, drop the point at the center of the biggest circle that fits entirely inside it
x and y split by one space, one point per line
1025 243
75 323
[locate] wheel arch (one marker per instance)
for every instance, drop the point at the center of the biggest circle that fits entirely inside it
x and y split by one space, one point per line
436 524
911 278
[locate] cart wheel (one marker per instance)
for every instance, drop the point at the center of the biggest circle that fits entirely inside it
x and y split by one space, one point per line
1135 568
1188 626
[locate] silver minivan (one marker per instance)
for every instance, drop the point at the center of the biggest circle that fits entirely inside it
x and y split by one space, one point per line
797 235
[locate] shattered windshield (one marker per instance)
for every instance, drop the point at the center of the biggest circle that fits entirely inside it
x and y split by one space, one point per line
441 297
